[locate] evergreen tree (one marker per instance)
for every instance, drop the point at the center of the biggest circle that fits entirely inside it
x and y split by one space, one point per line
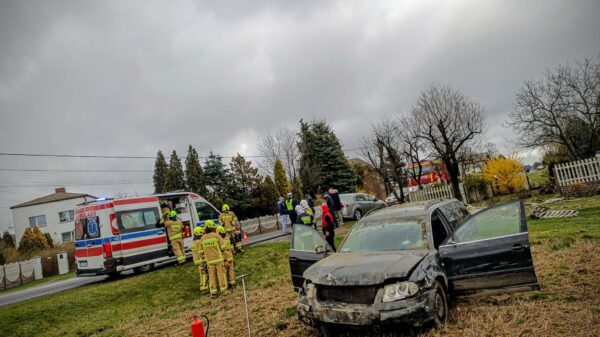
194 174
8 240
297 188
49 240
245 184
323 163
216 178
160 173
175 179
266 197
33 240
281 181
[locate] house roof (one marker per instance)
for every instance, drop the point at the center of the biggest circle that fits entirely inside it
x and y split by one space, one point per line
54 197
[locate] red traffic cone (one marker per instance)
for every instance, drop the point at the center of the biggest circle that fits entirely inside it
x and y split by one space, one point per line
197 328
245 239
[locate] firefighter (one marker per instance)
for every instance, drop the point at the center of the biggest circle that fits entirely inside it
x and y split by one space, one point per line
229 221
199 258
212 244
175 232
228 256
165 211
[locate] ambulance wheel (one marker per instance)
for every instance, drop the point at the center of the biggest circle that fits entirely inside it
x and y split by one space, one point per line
143 269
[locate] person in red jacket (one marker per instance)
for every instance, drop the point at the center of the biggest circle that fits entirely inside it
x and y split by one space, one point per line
328 226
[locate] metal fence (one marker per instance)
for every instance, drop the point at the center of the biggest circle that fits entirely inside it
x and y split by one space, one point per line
578 172
268 223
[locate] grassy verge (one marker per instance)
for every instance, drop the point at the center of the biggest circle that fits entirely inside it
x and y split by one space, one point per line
162 302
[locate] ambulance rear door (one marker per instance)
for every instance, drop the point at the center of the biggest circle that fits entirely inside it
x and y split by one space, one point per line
141 241
89 253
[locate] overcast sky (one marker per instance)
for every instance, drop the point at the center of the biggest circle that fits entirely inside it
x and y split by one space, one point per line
132 77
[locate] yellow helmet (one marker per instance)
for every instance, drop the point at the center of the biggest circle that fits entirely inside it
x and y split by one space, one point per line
225 208
198 231
173 213
220 230
209 224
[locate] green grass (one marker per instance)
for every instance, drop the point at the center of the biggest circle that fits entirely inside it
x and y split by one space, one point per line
538 177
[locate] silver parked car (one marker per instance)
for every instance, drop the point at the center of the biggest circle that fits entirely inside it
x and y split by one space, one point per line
355 205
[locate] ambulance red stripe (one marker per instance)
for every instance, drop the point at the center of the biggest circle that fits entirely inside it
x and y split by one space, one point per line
139 243
94 208
88 252
135 201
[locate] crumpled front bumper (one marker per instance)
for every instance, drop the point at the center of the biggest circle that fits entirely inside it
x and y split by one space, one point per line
414 311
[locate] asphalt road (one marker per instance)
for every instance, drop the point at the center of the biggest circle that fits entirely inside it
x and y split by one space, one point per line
75 282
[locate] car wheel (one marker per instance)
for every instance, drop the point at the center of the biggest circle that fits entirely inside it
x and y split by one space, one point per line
143 269
440 305
328 331
357 214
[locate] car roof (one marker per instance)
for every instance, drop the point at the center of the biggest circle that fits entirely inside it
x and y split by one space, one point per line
412 209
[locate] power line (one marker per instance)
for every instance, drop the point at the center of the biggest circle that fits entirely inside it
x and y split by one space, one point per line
77 184
67 170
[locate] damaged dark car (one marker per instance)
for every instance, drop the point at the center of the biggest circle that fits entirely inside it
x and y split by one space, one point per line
400 265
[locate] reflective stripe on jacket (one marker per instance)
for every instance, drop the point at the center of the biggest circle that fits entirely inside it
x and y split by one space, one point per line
228 220
174 229
289 204
197 252
211 245
227 250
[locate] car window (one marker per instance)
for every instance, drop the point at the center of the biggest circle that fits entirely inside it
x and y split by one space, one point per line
137 220
307 239
455 213
346 198
206 211
438 230
360 197
493 222
386 235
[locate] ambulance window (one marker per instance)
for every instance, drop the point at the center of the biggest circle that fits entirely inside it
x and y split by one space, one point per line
87 228
137 220
206 211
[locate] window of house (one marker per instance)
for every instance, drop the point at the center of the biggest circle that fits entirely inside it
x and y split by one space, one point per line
38 220
67 237
66 216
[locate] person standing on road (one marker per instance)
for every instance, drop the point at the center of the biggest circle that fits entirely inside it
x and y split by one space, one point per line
199 258
212 244
290 206
175 233
330 204
283 214
337 204
229 221
328 226
228 256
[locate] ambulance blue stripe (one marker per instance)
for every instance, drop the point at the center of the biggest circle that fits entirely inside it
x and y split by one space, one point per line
99 241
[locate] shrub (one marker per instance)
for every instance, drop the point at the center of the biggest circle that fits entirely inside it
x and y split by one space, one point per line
33 240
506 173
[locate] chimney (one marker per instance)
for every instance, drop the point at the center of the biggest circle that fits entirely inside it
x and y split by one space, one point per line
60 190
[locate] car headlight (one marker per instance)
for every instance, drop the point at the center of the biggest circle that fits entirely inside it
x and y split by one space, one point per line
399 291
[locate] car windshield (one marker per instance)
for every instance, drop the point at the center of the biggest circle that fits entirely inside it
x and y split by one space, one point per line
386 235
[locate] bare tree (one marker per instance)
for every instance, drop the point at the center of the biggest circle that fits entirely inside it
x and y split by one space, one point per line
374 152
563 108
411 146
447 121
280 145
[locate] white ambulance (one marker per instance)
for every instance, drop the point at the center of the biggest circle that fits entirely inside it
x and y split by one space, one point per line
113 235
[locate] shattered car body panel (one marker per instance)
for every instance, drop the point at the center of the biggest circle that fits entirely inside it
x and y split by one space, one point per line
489 255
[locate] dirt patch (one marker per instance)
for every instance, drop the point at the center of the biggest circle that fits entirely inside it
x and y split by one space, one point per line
568 304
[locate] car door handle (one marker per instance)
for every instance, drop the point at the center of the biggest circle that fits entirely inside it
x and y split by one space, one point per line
293 259
518 247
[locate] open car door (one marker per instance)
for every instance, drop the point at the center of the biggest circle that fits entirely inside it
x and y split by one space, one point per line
489 253
307 247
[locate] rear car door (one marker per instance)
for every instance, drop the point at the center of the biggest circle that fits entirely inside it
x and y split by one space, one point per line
140 240
306 248
490 253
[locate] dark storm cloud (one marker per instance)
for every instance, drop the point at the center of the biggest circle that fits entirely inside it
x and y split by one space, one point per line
125 77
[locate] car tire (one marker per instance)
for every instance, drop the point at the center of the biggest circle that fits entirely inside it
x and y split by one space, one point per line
357 214
328 331
143 269
440 306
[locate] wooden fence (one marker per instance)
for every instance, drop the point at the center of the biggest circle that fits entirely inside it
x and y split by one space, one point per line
578 172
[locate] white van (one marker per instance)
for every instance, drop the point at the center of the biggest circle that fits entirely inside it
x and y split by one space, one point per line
113 235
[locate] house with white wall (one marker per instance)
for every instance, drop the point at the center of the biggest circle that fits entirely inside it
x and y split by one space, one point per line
53 213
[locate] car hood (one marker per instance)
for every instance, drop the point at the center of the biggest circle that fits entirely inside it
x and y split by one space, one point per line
362 269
